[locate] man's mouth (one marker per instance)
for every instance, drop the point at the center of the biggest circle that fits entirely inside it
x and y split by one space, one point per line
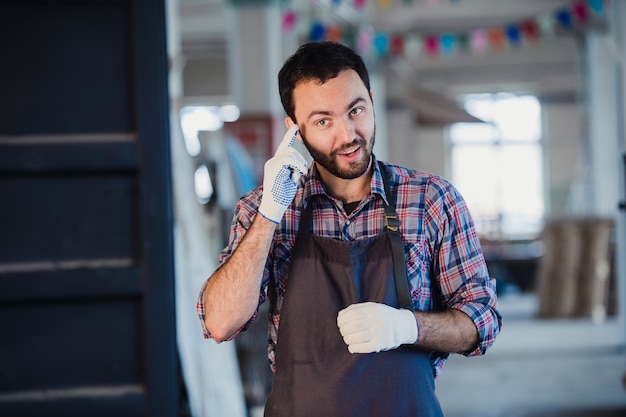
350 151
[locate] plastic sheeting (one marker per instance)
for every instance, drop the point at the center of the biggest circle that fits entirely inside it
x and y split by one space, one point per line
210 370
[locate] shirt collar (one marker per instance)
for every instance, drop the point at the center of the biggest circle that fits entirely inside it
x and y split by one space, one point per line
314 186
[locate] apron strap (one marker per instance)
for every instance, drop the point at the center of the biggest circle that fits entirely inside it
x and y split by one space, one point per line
392 224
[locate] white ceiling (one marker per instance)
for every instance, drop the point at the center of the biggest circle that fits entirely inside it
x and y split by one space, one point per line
205 19
550 67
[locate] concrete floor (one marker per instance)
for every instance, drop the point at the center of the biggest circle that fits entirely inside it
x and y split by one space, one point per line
540 368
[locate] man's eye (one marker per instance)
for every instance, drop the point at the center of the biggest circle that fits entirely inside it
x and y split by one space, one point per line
356 111
322 123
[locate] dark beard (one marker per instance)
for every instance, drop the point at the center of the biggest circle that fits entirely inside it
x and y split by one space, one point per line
329 162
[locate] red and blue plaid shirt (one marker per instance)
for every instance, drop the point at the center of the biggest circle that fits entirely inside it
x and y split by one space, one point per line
444 261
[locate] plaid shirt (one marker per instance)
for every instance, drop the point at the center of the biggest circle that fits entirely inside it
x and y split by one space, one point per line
444 261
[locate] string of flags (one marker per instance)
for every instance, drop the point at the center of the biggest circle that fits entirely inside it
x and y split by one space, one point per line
577 16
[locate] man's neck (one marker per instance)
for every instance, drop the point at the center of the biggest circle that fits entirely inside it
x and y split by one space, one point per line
347 191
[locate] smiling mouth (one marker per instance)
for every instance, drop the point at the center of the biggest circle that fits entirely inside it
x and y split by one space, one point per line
350 151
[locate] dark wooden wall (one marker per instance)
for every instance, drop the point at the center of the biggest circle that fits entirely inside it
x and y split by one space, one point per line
87 323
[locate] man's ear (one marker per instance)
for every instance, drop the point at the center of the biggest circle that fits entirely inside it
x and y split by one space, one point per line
289 123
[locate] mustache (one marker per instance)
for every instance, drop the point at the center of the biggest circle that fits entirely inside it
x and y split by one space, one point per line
355 142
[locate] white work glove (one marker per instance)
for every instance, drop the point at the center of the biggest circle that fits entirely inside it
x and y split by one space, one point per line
280 178
374 327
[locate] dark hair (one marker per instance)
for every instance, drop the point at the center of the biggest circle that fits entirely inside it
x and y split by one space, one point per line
317 61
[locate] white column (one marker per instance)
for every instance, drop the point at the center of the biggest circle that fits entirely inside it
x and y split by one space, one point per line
210 371
603 145
255 55
618 49
377 84
606 81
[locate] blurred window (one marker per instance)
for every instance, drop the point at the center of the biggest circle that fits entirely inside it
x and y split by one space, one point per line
497 165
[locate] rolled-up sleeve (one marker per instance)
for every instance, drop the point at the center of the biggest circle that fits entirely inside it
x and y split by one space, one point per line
200 309
480 304
460 269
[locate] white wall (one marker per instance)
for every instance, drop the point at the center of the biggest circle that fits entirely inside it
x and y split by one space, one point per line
417 147
564 160
207 76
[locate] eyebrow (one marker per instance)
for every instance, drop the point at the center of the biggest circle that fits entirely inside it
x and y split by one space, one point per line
327 113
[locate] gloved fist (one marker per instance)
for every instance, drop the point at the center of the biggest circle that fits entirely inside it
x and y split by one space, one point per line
373 327
280 178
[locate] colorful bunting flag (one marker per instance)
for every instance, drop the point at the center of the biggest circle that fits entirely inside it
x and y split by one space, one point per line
463 42
580 11
596 5
289 20
448 42
396 45
381 44
496 38
478 41
513 35
365 41
431 44
413 45
564 17
384 4
318 31
546 25
360 4
530 30
333 33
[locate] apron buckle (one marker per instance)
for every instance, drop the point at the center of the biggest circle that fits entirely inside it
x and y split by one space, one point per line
392 222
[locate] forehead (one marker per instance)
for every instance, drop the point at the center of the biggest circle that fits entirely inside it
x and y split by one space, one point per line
335 93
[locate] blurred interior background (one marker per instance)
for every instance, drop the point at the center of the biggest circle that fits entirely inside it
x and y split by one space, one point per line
129 129
516 103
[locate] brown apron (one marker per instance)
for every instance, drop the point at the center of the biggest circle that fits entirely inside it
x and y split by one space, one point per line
315 375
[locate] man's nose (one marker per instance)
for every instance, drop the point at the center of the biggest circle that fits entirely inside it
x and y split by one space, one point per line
345 131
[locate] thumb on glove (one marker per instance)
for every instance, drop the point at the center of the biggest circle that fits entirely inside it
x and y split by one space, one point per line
281 175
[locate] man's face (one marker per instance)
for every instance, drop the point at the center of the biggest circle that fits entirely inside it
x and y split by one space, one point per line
336 122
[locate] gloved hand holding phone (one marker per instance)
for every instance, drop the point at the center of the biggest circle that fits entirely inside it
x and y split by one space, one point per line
280 179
